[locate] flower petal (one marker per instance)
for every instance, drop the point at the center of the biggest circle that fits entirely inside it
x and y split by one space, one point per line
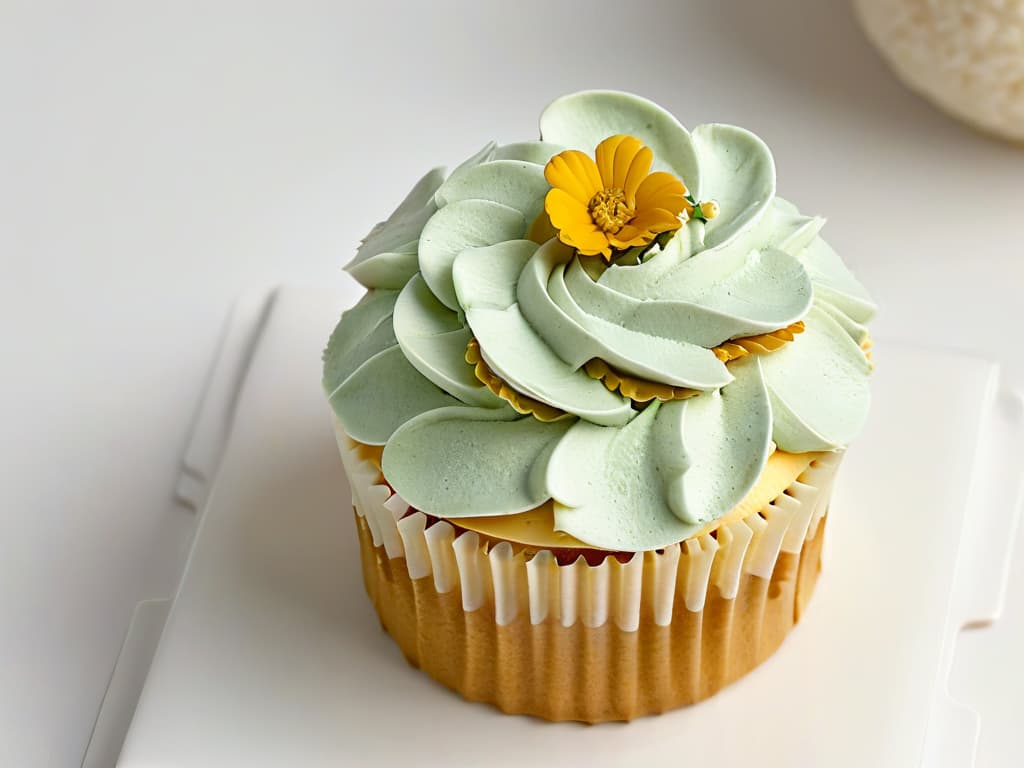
561 175
589 241
644 226
656 219
636 171
630 238
605 154
565 210
623 150
661 190
542 229
574 172
574 224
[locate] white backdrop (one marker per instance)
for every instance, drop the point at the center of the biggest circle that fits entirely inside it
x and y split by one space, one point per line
158 159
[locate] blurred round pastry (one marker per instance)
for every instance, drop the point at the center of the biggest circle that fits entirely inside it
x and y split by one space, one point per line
966 56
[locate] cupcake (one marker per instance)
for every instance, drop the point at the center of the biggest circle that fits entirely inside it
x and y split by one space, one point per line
591 409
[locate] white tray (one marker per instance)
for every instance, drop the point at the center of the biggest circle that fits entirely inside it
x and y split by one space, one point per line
272 654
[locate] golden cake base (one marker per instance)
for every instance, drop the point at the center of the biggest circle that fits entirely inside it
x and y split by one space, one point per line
591 673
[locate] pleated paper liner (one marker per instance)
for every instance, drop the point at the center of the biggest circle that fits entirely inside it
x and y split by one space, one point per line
585 642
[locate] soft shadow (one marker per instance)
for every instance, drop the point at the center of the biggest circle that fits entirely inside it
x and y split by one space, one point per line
295 545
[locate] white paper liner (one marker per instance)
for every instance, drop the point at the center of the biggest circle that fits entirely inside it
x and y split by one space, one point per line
615 592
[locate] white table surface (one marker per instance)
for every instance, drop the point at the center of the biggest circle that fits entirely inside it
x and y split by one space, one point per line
157 160
271 634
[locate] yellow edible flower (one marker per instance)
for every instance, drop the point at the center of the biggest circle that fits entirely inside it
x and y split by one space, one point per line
614 203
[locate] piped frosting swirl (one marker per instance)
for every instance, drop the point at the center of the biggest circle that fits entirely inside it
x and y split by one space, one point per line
727 334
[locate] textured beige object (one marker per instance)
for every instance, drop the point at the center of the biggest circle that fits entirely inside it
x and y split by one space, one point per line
627 637
965 55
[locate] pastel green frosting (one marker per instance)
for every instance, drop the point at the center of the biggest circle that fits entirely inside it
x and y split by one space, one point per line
453 263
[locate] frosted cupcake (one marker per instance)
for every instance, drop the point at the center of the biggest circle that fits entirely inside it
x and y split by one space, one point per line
591 409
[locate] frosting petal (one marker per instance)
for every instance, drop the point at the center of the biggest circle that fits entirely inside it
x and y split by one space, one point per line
387 377
835 283
608 485
577 337
673 468
637 279
515 183
437 459
782 227
482 155
738 172
434 340
788 229
818 386
387 269
531 151
706 299
516 353
362 332
583 120
725 442
456 227
858 331
764 291
485 281
387 256
485 278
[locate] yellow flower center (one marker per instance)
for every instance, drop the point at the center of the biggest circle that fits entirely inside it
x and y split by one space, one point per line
609 210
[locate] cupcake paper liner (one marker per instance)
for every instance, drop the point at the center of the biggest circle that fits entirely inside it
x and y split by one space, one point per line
611 641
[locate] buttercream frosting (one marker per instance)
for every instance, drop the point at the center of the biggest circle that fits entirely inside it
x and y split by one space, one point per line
726 338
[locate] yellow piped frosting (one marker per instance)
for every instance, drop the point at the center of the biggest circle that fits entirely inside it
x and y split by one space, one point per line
758 345
866 346
520 402
637 390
